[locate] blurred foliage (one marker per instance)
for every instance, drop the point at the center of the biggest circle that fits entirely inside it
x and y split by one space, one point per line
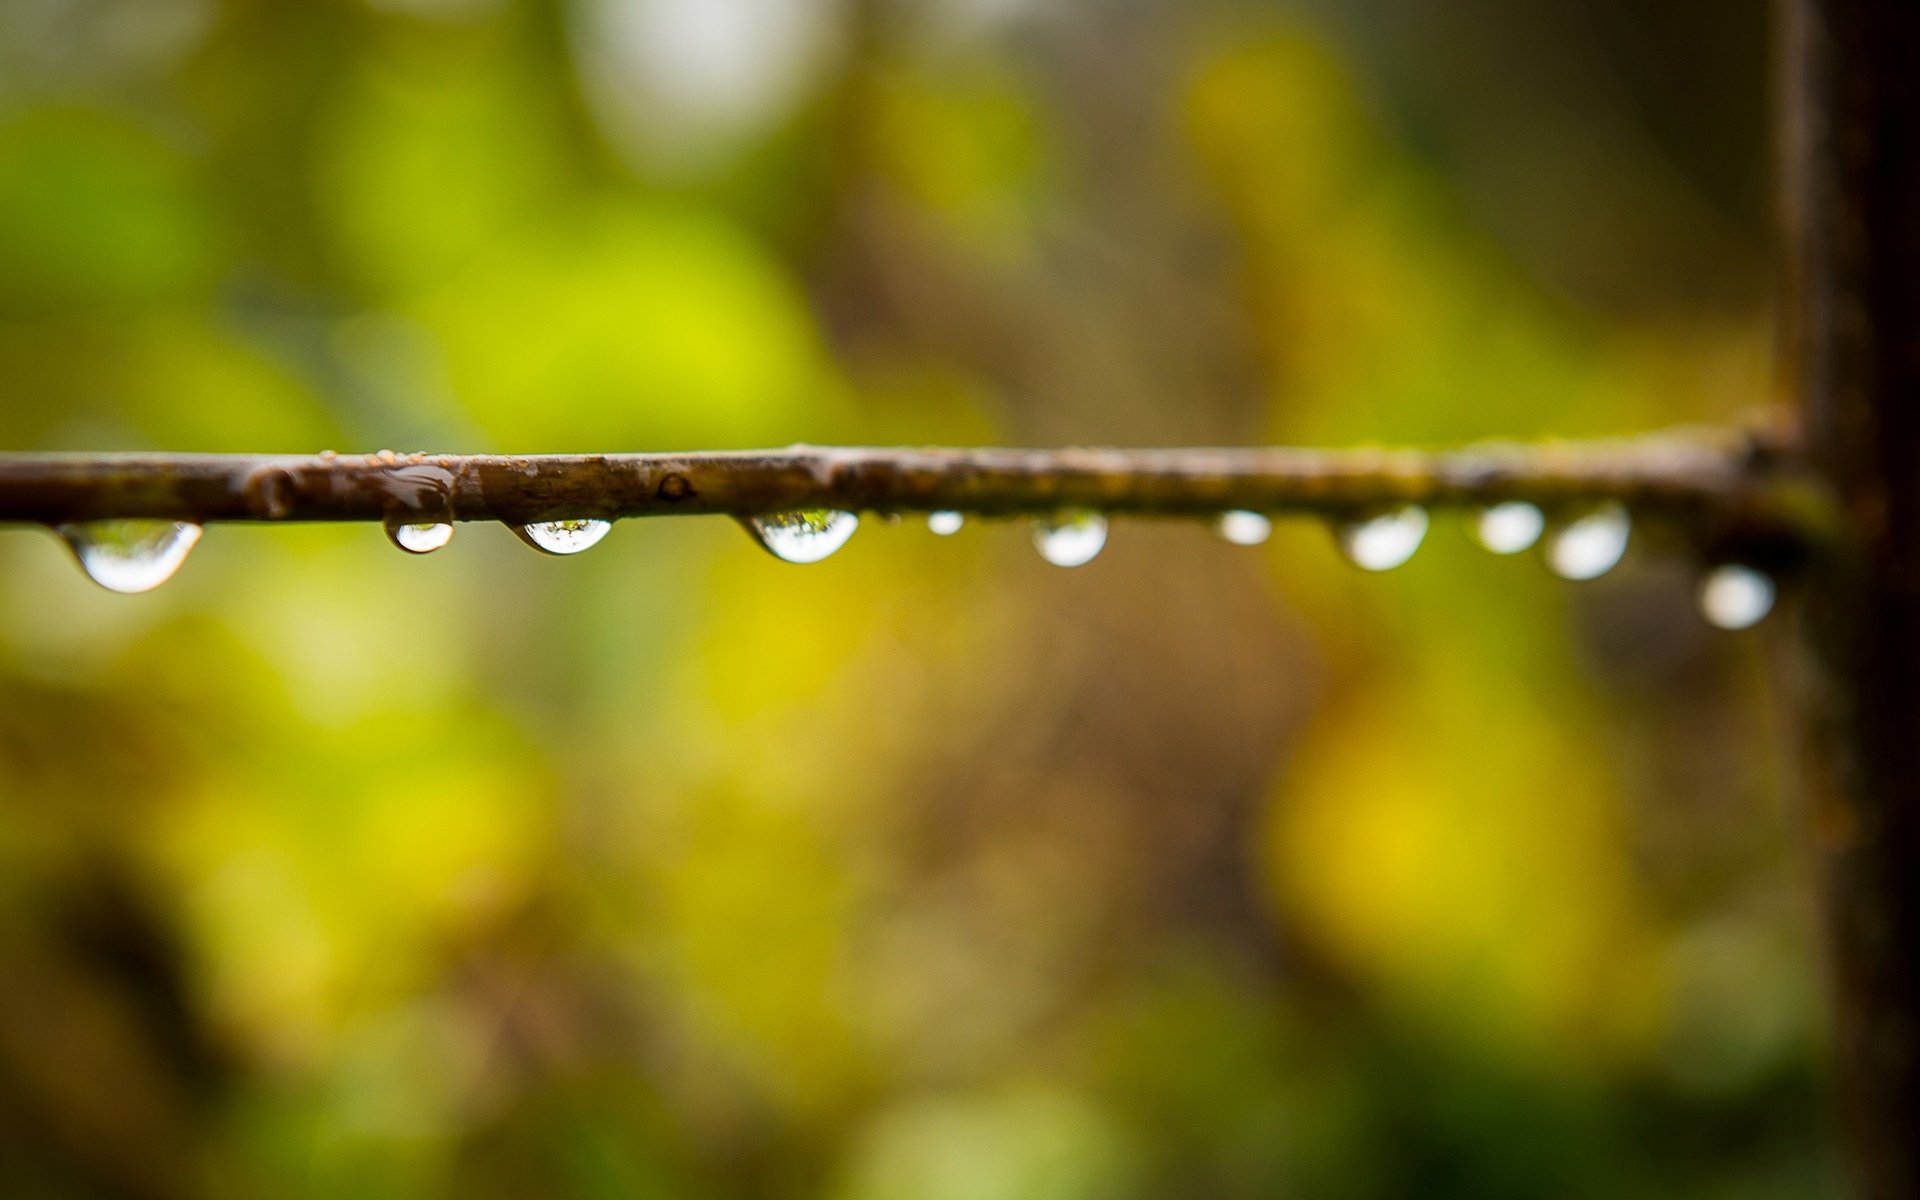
933 870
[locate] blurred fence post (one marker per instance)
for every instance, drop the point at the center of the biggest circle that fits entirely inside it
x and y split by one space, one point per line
1850 124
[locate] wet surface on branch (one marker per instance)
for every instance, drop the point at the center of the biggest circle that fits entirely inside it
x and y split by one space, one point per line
1723 478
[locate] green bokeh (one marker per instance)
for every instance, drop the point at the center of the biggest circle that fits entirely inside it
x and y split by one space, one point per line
932 870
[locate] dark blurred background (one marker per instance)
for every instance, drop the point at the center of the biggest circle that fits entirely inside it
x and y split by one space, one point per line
932 871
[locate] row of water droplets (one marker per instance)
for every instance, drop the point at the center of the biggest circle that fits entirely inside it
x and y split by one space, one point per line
139 555
1732 595
551 537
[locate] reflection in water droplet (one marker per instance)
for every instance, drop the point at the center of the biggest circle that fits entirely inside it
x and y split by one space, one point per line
130 556
1590 546
1736 597
1244 528
946 524
1070 539
1383 542
802 537
1511 527
564 537
421 538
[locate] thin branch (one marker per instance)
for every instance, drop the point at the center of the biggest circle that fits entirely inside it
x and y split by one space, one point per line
1725 480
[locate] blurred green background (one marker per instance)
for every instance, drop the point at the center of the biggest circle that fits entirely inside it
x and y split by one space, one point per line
932 871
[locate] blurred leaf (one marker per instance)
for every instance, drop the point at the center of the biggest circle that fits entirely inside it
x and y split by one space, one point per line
632 326
97 212
1031 1142
429 162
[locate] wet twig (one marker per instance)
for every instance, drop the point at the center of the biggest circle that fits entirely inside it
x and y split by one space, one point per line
1731 482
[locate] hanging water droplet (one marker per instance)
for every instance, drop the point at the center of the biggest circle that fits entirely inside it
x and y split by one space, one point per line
1383 541
420 538
1244 528
946 524
1511 527
1591 546
1070 539
130 555
1733 596
802 537
564 537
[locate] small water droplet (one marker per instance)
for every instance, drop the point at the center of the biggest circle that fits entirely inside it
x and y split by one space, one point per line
802 537
1385 540
946 524
1733 596
420 538
1511 527
1590 546
1070 539
564 537
130 555
1244 528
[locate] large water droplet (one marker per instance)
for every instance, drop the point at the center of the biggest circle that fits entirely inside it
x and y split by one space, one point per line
1384 541
946 524
802 537
1735 596
130 555
1070 539
1591 546
564 537
1511 527
421 538
1244 528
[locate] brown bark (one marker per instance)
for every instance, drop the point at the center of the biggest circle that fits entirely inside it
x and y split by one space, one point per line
1729 483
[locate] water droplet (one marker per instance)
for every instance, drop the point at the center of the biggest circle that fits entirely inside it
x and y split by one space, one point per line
421 538
1070 539
1736 597
1591 546
564 537
128 555
946 524
802 537
1511 527
1244 528
1384 541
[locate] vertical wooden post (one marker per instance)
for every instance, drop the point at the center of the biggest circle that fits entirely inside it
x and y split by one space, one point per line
1851 139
